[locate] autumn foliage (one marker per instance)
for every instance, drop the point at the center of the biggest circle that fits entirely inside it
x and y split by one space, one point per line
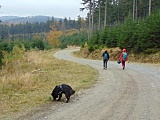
53 37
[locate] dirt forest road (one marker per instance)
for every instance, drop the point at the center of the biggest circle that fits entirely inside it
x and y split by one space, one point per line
130 94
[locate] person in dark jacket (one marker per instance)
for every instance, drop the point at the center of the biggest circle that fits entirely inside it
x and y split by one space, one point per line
105 56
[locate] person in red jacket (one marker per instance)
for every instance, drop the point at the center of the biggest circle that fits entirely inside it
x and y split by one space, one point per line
123 58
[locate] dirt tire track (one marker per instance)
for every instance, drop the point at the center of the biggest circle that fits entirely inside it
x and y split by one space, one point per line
127 95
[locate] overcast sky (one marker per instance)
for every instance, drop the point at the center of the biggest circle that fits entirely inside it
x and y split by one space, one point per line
55 8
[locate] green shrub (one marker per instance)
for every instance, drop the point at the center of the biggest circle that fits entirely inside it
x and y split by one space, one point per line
139 36
91 48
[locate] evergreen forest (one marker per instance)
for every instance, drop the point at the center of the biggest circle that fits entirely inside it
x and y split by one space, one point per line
130 24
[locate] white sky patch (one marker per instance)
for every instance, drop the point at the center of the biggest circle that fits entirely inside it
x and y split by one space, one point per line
56 8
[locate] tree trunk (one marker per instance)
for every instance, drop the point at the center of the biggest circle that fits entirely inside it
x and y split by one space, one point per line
136 15
90 27
149 7
93 16
99 24
133 9
105 16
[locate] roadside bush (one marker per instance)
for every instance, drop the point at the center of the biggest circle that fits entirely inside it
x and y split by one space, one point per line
38 43
91 47
62 46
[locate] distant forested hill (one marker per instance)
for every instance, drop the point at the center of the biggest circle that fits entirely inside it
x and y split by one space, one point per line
31 19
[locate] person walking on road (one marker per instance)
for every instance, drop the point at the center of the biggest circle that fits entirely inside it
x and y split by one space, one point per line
105 56
123 58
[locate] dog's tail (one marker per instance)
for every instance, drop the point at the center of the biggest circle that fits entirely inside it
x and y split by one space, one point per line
72 92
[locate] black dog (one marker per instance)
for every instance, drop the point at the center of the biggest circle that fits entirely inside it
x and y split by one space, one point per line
58 90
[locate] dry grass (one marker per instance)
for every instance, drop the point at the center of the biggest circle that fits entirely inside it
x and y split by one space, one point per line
28 81
115 53
97 54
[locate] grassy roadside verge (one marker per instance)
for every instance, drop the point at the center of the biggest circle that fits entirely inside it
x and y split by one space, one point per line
28 81
115 53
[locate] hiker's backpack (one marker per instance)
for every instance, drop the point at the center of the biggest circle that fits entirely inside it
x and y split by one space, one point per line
105 56
124 55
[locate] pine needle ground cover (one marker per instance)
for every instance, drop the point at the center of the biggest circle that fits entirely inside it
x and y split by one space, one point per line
28 81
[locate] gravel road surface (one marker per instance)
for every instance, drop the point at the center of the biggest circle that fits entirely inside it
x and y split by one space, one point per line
130 94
